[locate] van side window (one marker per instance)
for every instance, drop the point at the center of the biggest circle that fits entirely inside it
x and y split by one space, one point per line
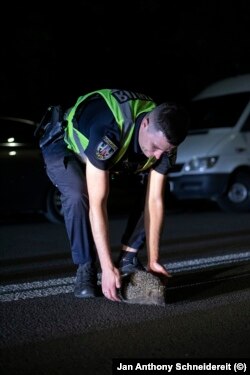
246 126
217 112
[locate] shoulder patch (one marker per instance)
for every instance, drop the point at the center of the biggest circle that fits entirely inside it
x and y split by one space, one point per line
105 149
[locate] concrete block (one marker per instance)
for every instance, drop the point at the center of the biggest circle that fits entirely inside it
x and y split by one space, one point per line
143 288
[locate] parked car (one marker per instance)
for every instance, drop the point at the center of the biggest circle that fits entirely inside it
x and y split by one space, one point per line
24 183
213 163
25 186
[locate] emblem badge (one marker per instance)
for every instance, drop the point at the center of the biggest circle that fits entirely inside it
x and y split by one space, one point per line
105 149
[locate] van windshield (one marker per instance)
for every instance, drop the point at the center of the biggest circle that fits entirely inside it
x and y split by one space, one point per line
217 112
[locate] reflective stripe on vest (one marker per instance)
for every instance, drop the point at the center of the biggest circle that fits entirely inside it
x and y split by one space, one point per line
125 106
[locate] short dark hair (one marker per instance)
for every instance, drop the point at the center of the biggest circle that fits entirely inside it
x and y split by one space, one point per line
172 119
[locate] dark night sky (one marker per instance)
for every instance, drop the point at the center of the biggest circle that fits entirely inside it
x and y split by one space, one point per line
167 49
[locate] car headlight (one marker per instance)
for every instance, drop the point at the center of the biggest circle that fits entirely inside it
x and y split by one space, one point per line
200 164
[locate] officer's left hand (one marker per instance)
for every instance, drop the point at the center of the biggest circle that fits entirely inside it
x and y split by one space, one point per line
157 268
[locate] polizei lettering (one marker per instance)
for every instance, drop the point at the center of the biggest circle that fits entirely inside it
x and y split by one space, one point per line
123 96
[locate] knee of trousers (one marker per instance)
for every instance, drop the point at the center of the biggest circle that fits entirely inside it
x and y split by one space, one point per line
75 200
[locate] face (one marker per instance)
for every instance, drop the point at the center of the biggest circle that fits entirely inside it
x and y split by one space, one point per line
153 143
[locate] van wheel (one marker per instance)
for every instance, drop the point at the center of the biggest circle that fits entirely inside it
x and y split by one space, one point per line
237 196
53 211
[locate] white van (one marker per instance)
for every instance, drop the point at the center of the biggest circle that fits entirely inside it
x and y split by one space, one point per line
214 161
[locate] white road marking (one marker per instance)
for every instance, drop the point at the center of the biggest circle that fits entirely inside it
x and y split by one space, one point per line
199 263
36 289
15 292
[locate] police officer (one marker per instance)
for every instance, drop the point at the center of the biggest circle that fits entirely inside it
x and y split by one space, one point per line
112 130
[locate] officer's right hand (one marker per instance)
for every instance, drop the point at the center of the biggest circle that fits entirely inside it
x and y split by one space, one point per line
111 281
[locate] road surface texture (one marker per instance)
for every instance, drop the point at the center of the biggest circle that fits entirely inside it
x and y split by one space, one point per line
45 330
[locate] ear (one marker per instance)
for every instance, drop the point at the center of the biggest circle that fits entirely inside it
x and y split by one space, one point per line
145 122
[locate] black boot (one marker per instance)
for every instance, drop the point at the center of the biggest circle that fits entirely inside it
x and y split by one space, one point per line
128 263
86 281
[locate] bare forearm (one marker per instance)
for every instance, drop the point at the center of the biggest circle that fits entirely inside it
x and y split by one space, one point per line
98 188
154 216
100 231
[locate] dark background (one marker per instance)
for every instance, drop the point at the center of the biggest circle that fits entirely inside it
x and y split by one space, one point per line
167 49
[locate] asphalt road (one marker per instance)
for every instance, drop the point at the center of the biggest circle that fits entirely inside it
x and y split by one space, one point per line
45 330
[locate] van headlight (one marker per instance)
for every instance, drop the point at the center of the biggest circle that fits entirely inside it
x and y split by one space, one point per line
200 164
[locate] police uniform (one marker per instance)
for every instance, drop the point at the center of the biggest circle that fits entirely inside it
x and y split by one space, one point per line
93 132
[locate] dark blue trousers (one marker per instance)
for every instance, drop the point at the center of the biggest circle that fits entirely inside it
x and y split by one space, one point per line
67 173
